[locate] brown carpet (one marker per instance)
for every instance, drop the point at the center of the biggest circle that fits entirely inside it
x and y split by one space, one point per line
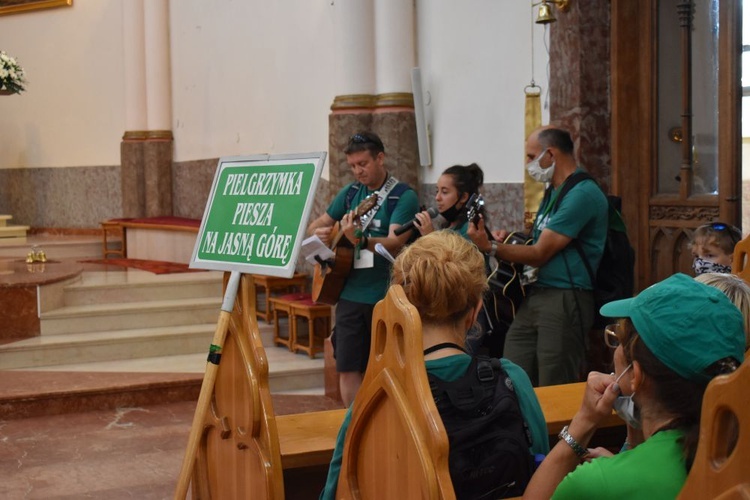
153 266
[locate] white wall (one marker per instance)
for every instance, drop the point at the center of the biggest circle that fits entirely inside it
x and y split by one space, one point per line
251 77
258 77
475 57
71 113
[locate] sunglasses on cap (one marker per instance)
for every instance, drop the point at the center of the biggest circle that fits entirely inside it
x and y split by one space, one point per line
720 226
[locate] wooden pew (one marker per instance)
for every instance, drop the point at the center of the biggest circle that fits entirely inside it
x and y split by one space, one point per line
245 448
740 265
396 445
307 439
722 462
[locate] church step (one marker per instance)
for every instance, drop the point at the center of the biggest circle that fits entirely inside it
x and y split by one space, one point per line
13 231
287 372
4 220
101 288
130 315
62 349
55 247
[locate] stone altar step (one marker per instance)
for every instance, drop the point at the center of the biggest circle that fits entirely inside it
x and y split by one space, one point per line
15 233
56 247
130 315
140 286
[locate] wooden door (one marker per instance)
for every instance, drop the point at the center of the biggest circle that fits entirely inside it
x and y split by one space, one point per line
675 124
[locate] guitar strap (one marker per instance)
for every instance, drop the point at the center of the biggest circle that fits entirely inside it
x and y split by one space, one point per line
383 193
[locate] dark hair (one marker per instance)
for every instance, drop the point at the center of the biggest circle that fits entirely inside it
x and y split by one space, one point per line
467 179
365 141
675 395
556 138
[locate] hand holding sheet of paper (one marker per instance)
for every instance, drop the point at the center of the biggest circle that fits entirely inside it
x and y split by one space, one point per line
313 247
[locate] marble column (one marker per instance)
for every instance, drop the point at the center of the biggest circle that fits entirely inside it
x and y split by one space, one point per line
351 110
393 118
132 145
579 82
146 148
157 154
375 54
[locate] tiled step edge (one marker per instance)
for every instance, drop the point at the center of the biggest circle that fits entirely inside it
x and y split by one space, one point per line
162 389
60 349
152 389
102 317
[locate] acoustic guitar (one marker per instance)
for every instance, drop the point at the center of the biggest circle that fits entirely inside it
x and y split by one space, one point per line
505 292
330 276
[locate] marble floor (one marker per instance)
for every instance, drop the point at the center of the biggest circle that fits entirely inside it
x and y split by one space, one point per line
115 429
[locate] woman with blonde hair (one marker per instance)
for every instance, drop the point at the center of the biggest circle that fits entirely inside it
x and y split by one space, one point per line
442 275
737 290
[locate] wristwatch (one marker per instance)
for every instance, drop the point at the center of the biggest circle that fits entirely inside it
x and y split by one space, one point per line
492 252
579 450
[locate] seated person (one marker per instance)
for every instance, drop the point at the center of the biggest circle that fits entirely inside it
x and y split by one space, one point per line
713 247
431 270
676 336
738 292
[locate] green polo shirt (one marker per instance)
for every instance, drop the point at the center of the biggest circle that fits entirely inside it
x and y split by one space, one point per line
368 286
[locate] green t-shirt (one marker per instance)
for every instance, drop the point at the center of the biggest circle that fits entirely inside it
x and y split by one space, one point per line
451 368
368 286
654 469
582 215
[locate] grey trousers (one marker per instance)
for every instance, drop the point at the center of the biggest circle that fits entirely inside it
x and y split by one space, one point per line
549 333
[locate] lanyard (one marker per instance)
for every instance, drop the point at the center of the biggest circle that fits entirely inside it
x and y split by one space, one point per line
548 207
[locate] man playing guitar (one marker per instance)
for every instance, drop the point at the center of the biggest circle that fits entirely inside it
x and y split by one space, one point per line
368 279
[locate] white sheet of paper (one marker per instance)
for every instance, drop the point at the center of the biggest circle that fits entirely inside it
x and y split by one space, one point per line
313 246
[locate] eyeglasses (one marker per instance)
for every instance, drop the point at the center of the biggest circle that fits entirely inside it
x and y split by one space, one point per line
610 335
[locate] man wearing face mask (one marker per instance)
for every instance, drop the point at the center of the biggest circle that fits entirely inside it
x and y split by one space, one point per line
548 335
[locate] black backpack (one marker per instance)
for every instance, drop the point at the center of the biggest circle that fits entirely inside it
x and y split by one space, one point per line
489 440
614 279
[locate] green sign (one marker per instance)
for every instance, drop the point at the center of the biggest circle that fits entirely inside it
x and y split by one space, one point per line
256 214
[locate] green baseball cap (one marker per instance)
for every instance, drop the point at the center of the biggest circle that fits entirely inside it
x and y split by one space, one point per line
687 325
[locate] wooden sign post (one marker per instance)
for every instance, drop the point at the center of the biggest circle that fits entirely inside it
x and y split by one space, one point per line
254 223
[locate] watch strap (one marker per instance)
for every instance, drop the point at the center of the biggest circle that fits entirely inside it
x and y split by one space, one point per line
579 450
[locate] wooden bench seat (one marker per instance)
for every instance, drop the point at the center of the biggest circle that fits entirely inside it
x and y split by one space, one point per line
308 439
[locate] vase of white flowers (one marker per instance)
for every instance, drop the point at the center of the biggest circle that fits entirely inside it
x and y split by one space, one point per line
12 76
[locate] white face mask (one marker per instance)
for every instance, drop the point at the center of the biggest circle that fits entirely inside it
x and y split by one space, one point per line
625 407
701 266
539 173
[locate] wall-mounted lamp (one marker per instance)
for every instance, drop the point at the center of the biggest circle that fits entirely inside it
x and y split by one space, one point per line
545 15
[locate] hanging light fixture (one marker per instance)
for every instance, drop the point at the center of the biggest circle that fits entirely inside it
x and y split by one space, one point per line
545 15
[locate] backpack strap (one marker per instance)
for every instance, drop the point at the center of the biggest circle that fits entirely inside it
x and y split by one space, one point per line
467 392
395 195
443 345
570 183
353 190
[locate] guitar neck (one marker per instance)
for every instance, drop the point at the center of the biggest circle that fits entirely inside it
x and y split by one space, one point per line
337 238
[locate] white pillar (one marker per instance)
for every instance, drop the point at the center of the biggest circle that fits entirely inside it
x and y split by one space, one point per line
355 47
158 74
135 66
394 45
